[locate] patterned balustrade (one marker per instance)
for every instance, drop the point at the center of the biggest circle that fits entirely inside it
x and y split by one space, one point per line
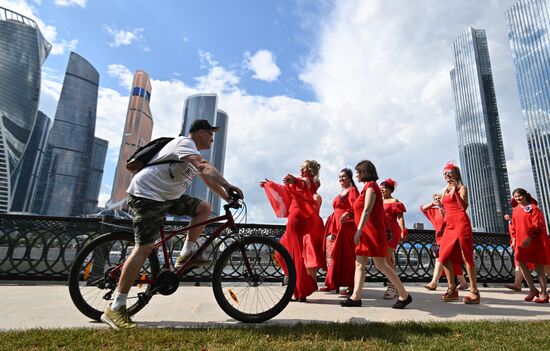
43 248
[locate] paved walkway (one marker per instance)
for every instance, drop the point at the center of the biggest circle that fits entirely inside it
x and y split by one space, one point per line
46 305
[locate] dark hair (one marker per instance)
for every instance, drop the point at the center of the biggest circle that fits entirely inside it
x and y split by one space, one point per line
523 193
369 169
349 173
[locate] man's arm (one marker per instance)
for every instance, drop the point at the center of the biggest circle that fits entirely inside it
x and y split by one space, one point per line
212 178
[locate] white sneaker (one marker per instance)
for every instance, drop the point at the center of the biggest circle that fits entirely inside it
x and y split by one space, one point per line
184 256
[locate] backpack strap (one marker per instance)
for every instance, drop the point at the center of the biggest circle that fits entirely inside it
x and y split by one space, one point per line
161 163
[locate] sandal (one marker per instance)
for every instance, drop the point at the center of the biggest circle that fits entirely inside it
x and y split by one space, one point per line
462 286
325 289
450 295
390 292
532 295
472 301
346 292
542 299
430 287
512 287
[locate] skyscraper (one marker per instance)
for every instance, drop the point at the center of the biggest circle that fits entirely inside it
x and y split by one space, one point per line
205 106
95 174
137 132
480 146
23 51
26 173
528 31
64 180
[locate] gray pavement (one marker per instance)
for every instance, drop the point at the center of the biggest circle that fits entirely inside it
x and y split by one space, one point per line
46 305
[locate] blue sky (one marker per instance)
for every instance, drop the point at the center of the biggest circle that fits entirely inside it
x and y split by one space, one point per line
335 81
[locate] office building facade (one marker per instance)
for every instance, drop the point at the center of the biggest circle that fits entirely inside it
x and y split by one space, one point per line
23 51
528 32
137 132
481 149
205 106
65 175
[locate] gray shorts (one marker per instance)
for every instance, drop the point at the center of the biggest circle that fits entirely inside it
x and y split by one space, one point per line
149 215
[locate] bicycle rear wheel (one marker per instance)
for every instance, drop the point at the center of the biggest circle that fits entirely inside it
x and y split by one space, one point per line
92 281
257 294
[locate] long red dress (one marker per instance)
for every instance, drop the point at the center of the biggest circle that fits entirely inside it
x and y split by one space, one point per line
437 220
392 210
373 241
301 211
341 264
457 235
528 222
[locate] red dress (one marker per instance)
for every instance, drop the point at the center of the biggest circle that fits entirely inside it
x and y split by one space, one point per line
435 215
301 211
392 210
373 242
457 236
341 262
528 222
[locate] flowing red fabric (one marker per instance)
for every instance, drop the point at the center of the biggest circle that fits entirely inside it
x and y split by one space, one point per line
279 198
457 236
340 245
300 235
391 211
529 222
436 218
373 242
314 252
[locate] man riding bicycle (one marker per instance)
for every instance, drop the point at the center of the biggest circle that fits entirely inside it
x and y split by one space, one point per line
159 190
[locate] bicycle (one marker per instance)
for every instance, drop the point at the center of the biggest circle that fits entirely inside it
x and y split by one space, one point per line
249 297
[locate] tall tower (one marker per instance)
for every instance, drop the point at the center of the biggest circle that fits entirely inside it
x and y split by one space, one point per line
205 106
137 132
528 28
65 174
23 51
480 146
26 174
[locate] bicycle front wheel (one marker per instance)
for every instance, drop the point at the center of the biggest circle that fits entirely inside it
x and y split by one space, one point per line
248 279
96 269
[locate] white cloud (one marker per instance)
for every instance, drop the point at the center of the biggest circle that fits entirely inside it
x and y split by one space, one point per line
124 37
59 46
262 63
124 75
65 3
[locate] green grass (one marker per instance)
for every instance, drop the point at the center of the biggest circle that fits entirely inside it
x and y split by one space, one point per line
330 336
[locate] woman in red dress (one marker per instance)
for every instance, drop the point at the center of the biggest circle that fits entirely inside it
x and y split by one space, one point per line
299 238
435 214
370 237
339 230
457 244
395 226
532 242
518 275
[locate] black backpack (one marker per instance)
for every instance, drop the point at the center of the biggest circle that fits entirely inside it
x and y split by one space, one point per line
141 157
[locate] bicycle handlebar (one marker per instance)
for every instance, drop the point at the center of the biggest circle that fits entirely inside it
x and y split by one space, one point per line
234 202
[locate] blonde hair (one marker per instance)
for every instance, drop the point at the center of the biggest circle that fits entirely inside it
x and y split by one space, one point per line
314 167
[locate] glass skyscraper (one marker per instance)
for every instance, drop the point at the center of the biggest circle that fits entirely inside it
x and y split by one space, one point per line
23 50
64 182
480 146
528 31
137 132
26 173
205 106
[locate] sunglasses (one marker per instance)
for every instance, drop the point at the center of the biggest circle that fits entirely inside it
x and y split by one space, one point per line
448 173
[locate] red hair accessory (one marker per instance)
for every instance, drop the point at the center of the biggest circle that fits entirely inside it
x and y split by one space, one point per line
392 183
450 166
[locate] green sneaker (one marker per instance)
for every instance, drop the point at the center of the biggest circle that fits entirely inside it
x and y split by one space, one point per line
199 261
118 319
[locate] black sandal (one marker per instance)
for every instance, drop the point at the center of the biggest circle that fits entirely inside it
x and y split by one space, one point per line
350 303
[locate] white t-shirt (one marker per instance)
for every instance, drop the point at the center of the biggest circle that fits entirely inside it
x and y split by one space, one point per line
156 182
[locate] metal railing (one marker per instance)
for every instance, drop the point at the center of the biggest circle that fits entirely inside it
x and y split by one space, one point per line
43 248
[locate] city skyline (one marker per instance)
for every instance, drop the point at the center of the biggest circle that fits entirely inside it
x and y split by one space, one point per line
337 82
